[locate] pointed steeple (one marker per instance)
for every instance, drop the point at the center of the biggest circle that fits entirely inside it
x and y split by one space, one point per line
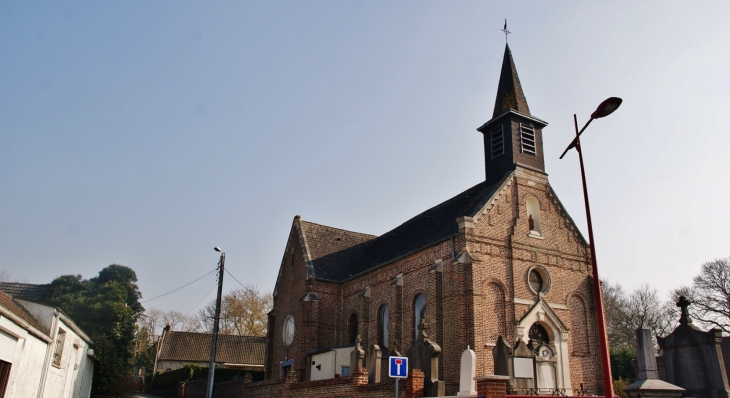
509 91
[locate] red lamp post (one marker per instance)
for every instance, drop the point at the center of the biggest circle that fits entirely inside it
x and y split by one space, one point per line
604 109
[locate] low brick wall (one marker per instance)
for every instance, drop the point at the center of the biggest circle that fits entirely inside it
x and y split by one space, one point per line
492 386
353 386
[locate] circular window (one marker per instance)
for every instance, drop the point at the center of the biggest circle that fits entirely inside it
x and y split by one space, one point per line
288 335
538 279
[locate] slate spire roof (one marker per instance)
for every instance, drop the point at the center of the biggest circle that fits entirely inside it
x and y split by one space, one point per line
509 90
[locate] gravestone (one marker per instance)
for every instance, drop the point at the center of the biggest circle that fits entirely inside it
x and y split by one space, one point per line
648 383
693 359
356 356
374 363
502 353
424 355
523 367
467 386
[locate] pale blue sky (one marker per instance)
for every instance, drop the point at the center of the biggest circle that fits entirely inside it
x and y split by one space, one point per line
145 133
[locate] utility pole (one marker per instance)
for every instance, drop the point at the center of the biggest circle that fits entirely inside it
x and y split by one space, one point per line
216 320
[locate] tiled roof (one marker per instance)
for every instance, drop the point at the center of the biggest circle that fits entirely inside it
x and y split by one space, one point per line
354 253
27 291
195 347
21 312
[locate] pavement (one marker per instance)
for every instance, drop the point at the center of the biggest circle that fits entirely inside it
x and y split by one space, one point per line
141 395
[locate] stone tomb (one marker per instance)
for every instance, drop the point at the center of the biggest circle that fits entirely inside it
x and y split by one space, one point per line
424 355
693 359
648 384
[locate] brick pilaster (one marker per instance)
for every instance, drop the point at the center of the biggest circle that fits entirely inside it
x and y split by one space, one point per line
414 384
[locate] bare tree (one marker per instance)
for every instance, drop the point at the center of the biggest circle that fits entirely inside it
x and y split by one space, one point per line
181 322
243 312
710 295
626 313
614 303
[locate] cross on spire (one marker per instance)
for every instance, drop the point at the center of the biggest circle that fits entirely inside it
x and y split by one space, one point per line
505 30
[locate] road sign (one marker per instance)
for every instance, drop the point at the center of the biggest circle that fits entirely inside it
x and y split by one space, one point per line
398 367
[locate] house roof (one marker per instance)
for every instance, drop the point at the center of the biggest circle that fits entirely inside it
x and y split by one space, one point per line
17 309
195 347
27 291
355 253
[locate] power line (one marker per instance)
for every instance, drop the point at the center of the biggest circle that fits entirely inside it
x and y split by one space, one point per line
172 291
239 282
186 308
201 300
182 305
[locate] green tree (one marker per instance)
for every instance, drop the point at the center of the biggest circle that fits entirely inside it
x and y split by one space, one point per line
107 308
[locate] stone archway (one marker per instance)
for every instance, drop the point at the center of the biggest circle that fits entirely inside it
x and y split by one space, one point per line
556 346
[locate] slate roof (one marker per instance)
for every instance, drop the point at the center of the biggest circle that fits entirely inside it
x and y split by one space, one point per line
195 347
21 312
331 248
356 253
27 291
509 89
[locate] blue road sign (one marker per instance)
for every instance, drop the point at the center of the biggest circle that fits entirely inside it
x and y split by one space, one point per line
398 367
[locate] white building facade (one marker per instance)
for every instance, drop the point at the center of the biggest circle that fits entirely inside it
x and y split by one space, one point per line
43 353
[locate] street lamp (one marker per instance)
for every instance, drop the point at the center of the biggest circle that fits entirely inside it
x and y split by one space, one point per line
606 108
216 319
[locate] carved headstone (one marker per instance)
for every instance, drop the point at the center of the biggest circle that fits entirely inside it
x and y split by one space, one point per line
467 386
501 353
356 356
424 355
523 366
693 359
648 383
374 362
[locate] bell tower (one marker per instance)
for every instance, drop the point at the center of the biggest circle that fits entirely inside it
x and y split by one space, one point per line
513 137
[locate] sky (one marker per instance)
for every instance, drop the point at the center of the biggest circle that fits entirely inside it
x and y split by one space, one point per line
146 133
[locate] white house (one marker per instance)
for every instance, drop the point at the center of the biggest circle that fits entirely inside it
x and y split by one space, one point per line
43 353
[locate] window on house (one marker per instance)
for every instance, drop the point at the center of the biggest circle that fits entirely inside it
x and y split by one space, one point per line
496 138
419 311
383 319
352 328
527 139
58 353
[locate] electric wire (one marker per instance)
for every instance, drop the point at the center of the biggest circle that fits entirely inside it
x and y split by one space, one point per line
192 301
201 300
204 285
172 291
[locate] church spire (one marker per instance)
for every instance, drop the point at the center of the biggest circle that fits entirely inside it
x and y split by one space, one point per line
509 90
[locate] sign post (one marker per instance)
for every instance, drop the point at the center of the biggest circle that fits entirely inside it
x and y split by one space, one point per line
397 369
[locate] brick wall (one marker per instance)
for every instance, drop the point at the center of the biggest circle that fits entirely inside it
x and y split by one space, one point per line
354 386
480 300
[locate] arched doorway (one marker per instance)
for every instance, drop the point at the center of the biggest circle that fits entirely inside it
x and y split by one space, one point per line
545 361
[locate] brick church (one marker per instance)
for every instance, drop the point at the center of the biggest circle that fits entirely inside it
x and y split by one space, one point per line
502 258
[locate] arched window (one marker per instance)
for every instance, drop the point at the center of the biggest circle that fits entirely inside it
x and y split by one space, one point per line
352 328
533 216
419 310
383 319
578 326
538 335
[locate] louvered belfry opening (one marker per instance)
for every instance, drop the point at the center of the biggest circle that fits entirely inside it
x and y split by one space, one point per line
513 137
527 139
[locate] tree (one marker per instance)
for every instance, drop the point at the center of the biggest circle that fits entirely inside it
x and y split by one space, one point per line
180 322
626 313
107 308
710 295
243 312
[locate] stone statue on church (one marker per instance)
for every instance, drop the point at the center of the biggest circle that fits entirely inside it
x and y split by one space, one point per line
531 221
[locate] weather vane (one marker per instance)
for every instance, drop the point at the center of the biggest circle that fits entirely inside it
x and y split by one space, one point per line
505 30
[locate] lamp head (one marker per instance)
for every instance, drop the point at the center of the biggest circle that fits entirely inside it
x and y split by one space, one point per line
606 107
218 249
